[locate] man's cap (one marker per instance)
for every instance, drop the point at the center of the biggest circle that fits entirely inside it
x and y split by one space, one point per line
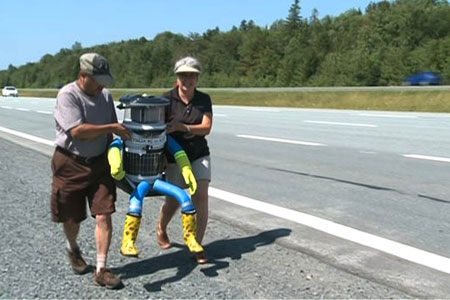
97 66
187 64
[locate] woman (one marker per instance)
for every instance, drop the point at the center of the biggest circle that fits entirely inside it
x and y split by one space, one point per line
189 121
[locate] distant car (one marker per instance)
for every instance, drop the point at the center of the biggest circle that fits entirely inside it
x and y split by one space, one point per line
10 91
424 78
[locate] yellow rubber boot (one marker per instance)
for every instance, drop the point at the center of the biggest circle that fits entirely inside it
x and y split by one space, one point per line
130 233
189 233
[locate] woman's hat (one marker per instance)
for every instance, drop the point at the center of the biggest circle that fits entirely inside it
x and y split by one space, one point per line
187 65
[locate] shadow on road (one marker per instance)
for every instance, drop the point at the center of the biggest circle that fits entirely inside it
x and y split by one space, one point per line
185 262
370 186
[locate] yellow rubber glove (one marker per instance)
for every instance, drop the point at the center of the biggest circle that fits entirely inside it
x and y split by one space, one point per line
186 171
115 162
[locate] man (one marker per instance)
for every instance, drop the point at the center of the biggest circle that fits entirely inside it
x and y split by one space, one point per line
85 121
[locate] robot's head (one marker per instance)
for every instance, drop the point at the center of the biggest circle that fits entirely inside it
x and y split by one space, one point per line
143 109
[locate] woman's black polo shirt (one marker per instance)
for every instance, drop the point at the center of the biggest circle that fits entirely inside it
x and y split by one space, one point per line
195 146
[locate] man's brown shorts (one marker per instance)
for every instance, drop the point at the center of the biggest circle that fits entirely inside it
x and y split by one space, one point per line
74 182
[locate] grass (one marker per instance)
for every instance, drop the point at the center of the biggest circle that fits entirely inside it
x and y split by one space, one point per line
420 100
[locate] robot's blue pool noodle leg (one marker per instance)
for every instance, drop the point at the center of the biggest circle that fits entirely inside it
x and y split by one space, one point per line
137 198
179 194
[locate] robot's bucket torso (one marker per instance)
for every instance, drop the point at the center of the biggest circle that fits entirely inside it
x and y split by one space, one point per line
143 155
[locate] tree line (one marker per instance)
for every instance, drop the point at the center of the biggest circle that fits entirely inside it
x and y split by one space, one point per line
377 47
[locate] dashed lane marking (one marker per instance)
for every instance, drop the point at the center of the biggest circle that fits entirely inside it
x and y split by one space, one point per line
427 157
386 116
340 123
26 109
279 140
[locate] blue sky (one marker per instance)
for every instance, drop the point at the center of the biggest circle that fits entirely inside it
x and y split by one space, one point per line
29 29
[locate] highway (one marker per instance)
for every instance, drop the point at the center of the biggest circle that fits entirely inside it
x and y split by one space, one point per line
364 191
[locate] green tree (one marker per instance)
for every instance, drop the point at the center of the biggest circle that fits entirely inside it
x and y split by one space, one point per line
294 20
77 46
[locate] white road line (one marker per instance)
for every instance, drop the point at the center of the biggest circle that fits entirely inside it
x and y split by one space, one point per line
22 109
27 136
279 140
427 157
44 112
406 252
340 123
6 107
387 116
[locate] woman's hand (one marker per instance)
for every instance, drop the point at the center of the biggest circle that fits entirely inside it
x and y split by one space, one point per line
176 126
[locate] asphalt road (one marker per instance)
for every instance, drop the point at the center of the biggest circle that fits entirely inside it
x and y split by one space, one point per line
374 184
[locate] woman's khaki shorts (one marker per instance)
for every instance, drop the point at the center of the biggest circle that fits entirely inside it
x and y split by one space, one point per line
200 167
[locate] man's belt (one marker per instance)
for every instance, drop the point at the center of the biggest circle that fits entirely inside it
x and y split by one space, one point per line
80 159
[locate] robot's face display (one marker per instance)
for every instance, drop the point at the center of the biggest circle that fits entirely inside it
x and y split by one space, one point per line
149 140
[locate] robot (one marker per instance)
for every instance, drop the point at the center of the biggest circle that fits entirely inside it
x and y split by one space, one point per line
137 165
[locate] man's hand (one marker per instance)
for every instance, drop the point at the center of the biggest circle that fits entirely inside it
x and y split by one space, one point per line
121 131
88 131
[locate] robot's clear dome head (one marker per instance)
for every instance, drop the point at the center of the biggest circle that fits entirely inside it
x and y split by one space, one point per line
143 109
